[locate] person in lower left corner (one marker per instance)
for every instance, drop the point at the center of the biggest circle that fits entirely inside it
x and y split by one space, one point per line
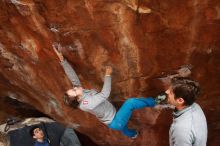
38 134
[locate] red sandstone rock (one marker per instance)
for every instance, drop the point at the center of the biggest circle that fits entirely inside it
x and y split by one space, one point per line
142 39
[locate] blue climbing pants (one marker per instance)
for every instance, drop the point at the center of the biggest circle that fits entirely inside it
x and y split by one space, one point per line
123 115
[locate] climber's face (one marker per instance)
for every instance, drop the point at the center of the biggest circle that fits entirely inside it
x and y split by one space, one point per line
75 92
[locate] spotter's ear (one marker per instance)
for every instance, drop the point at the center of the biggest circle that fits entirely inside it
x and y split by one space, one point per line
180 101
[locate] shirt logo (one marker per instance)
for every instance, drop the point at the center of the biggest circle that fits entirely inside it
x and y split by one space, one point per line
85 102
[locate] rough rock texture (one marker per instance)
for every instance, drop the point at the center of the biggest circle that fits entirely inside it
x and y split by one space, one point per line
142 39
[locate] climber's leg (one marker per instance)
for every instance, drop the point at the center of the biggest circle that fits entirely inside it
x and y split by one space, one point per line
123 115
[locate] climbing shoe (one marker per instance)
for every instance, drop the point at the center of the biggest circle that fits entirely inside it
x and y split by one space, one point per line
135 136
161 98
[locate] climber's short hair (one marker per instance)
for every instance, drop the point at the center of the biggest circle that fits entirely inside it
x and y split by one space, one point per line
186 88
73 103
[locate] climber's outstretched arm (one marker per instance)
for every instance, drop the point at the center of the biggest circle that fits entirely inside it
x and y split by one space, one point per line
70 73
68 69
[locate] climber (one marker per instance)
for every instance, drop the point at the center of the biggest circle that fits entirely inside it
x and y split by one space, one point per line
98 104
37 133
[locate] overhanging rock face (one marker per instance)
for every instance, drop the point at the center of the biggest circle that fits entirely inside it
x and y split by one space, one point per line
142 39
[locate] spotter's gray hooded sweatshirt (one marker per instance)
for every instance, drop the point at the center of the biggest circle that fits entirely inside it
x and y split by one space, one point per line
189 127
